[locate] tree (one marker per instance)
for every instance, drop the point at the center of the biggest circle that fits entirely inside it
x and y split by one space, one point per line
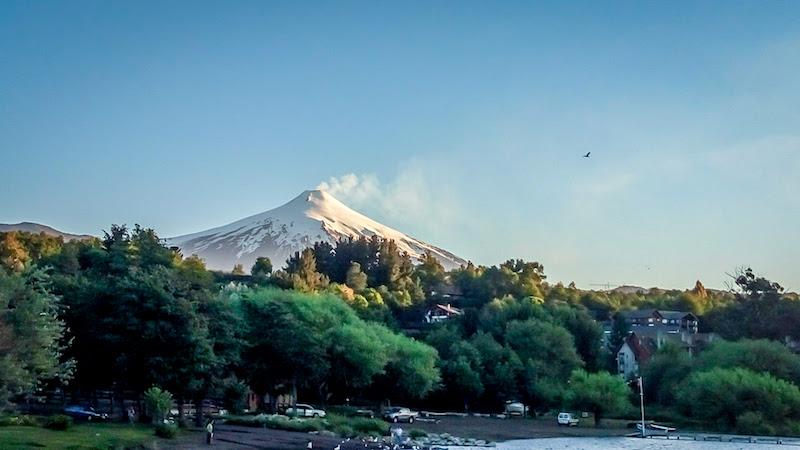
134 316
664 373
30 335
262 267
601 393
13 255
411 370
501 368
158 403
238 269
302 268
281 352
587 333
316 341
620 329
756 355
462 375
770 313
430 272
727 395
548 354
356 279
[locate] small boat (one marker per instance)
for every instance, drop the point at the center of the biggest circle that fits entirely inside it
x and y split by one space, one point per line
653 428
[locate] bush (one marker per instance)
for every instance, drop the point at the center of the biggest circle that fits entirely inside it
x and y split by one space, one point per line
235 392
343 426
167 431
369 427
22 421
416 433
731 395
278 422
753 423
59 422
356 426
158 403
347 411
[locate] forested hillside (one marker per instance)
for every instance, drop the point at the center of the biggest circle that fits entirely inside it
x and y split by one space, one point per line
345 321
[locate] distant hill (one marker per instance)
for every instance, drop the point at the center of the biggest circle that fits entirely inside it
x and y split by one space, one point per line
626 289
311 217
631 290
37 228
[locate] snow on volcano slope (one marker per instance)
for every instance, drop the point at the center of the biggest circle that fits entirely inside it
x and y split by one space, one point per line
311 217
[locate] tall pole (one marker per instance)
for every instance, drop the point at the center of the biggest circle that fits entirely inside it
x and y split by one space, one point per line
641 399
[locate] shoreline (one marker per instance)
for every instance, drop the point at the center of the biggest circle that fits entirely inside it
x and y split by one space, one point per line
501 430
489 429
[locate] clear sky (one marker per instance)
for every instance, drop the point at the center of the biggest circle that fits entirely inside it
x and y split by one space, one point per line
460 123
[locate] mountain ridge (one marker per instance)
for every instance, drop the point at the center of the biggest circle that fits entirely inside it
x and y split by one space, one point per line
312 216
32 227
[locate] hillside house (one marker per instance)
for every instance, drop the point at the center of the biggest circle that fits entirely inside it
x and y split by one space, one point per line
671 321
651 329
439 313
632 353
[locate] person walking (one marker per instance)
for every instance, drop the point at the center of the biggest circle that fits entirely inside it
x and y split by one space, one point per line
209 432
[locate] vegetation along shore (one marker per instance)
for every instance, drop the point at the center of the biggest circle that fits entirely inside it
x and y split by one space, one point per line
142 334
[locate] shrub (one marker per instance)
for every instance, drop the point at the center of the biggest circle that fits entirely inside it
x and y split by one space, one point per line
344 426
235 392
730 394
158 403
59 422
369 427
167 431
28 421
23 421
347 411
753 423
416 433
278 422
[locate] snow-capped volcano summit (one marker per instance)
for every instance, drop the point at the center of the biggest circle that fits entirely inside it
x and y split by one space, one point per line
311 217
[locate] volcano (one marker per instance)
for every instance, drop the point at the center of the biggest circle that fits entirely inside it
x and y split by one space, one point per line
313 216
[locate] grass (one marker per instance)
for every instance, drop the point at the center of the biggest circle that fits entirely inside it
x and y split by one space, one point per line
81 436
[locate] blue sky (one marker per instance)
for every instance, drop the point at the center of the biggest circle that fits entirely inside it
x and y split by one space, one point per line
461 123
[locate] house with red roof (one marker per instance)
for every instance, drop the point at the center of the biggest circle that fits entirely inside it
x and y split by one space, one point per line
632 353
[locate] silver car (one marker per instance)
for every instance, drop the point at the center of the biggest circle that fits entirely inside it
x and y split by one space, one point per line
398 414
304 410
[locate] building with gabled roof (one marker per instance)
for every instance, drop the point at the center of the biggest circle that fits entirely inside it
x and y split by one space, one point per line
439 313
632 353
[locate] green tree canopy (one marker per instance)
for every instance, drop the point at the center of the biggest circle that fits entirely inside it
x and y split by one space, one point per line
262 267
30 335
601 393
723 396
756 355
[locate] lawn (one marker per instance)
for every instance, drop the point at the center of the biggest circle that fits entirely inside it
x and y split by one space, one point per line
81 436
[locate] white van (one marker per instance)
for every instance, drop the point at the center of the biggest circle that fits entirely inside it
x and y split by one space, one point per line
567 419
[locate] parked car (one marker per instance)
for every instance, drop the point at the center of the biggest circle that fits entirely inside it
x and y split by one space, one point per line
516 408
567 419
86 413
304 410
398 414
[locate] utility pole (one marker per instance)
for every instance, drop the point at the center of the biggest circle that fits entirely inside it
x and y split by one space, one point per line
641 398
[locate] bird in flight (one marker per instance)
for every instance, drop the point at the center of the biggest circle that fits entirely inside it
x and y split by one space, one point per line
586 155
